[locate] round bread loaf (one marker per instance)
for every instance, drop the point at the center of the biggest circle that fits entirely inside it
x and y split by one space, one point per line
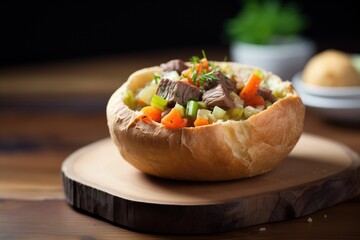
331 68
223 150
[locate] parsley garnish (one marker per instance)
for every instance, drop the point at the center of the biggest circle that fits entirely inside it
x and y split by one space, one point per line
156 78
194 59
202 77
210 76
203 53
193 75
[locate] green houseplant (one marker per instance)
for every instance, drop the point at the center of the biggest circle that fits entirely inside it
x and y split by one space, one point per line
268 34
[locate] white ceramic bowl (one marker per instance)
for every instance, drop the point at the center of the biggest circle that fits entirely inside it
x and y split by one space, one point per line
282 59
337 92
341 105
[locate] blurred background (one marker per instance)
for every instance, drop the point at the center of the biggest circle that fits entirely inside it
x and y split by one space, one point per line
82 48
37 32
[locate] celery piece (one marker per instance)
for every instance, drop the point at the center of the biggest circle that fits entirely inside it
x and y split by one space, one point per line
249 111
192 108
145 95
235 113
202 105
211 118
239 103
181 109
203 113
128 99
218 112
240 85
233 95
159 102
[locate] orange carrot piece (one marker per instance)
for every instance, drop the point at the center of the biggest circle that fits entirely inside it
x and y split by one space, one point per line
248 94
255 101
204 62
186 80
201 122
186 72
199 68
152 112
173 119
251 87
203 65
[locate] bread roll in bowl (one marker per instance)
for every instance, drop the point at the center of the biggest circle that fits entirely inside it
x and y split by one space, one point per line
331 68
223 150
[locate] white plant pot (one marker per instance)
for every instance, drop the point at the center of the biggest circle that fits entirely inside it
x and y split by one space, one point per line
283 59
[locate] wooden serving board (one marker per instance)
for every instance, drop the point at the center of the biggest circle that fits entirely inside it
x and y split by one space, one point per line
318 173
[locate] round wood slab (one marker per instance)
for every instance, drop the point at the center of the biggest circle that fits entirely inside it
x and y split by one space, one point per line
317 174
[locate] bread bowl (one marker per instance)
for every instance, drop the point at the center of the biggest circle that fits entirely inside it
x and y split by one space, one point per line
226 149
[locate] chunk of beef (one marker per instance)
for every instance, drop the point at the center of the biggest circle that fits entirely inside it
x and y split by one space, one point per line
218 96
177 92
174 65
266 94
229 84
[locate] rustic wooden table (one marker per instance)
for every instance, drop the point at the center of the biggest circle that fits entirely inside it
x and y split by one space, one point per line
47 112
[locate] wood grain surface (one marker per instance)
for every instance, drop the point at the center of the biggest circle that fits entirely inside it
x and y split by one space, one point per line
98 181
54 219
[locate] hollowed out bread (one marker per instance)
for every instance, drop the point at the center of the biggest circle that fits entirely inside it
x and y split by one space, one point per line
220 151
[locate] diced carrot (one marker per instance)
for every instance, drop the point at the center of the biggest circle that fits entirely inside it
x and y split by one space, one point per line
201 122
202 66
186 72
186 80
255 101
173 119
204 62
152 112
248 93
199 68
251 87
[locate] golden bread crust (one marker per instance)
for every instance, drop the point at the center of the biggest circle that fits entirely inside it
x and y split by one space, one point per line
220 151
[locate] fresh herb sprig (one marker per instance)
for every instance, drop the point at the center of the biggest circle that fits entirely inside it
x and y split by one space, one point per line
207 76
202 77
157 78
194 60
